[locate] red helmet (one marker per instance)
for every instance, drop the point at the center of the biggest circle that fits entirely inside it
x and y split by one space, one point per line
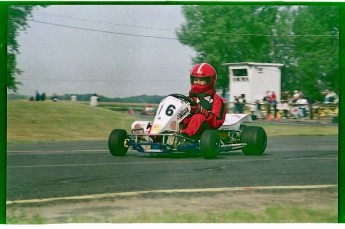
206 71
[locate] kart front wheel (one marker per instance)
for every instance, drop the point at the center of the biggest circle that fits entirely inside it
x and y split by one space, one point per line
117 142
210 144
256 139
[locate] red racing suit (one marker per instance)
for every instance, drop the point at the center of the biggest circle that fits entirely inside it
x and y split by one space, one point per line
212 115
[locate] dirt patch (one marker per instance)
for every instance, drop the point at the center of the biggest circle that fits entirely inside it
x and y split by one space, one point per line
131 206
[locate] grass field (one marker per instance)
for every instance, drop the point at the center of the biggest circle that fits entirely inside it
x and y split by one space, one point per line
61 121
270 206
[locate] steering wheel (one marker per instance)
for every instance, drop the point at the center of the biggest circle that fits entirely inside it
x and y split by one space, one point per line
184 98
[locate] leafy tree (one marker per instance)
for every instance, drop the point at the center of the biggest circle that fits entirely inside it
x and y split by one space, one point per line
17 21
317 55
273 34
223 33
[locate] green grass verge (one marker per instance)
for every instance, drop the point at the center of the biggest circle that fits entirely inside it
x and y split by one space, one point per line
61 121
74 121
19 217
281 129
270 214
118 106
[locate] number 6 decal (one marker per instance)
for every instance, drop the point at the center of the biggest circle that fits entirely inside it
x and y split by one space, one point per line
170 110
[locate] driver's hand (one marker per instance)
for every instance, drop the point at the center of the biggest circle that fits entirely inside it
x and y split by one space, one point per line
196 109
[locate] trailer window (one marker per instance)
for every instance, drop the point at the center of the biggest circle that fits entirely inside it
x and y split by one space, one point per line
240 72
240 75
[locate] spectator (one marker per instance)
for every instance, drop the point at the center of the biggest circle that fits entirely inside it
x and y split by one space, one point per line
43 96
94 100
330 97
285 108
236 105
267 96
302 105
295 96
241 104
316 108
273 103
286 96
301 93
266 100
252 109
336 99
37 96
55 98
258 112
273 96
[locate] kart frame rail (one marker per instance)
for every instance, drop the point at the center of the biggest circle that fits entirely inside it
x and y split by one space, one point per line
158 143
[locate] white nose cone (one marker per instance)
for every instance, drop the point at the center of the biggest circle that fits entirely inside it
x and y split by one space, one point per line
170 112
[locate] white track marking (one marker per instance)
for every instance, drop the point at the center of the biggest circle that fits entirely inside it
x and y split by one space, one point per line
170 191
45 152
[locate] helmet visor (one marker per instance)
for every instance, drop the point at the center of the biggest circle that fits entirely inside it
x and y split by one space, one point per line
194 79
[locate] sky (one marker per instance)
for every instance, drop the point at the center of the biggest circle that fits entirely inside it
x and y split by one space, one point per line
113 50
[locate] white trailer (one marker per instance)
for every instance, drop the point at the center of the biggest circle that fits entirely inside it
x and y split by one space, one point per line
254 80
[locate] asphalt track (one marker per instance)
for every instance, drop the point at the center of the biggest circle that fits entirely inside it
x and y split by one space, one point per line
74 169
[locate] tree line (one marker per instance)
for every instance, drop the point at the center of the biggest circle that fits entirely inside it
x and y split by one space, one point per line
304 38
154 99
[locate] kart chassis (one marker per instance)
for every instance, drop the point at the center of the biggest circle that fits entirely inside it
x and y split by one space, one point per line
163 135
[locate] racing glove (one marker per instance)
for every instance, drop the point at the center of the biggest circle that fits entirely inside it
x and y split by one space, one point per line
197 109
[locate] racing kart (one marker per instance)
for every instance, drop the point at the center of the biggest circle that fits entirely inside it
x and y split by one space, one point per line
163 134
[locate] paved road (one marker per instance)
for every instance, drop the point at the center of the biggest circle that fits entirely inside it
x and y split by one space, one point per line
46 170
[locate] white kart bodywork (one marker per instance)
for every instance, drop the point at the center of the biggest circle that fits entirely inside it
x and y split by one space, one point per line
234 121
172 111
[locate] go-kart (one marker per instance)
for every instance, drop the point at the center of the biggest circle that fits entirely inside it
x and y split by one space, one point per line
163 134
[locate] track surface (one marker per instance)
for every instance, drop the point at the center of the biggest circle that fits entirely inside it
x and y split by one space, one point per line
48 170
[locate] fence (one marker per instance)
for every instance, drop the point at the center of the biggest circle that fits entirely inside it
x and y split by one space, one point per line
316 111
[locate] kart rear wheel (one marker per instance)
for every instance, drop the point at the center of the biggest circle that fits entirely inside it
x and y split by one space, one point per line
117 142
256 139
243 126
210 144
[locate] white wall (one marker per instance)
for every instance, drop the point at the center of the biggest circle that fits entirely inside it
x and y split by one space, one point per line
267 80
262 78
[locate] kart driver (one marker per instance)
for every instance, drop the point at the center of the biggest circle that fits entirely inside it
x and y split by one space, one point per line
209 113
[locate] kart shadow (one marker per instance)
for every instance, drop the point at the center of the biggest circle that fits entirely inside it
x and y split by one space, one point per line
237 154
184 155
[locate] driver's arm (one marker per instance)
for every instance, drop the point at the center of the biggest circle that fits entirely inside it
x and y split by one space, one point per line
215 118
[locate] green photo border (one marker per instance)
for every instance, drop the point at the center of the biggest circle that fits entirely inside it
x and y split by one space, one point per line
3 91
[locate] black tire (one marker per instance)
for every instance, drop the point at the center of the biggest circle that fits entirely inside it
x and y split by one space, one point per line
210 144
243 126
256 139
116 142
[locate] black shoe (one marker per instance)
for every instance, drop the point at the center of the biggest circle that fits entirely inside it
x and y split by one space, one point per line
185 135
192 139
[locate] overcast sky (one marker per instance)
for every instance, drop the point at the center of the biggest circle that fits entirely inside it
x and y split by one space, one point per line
114 51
